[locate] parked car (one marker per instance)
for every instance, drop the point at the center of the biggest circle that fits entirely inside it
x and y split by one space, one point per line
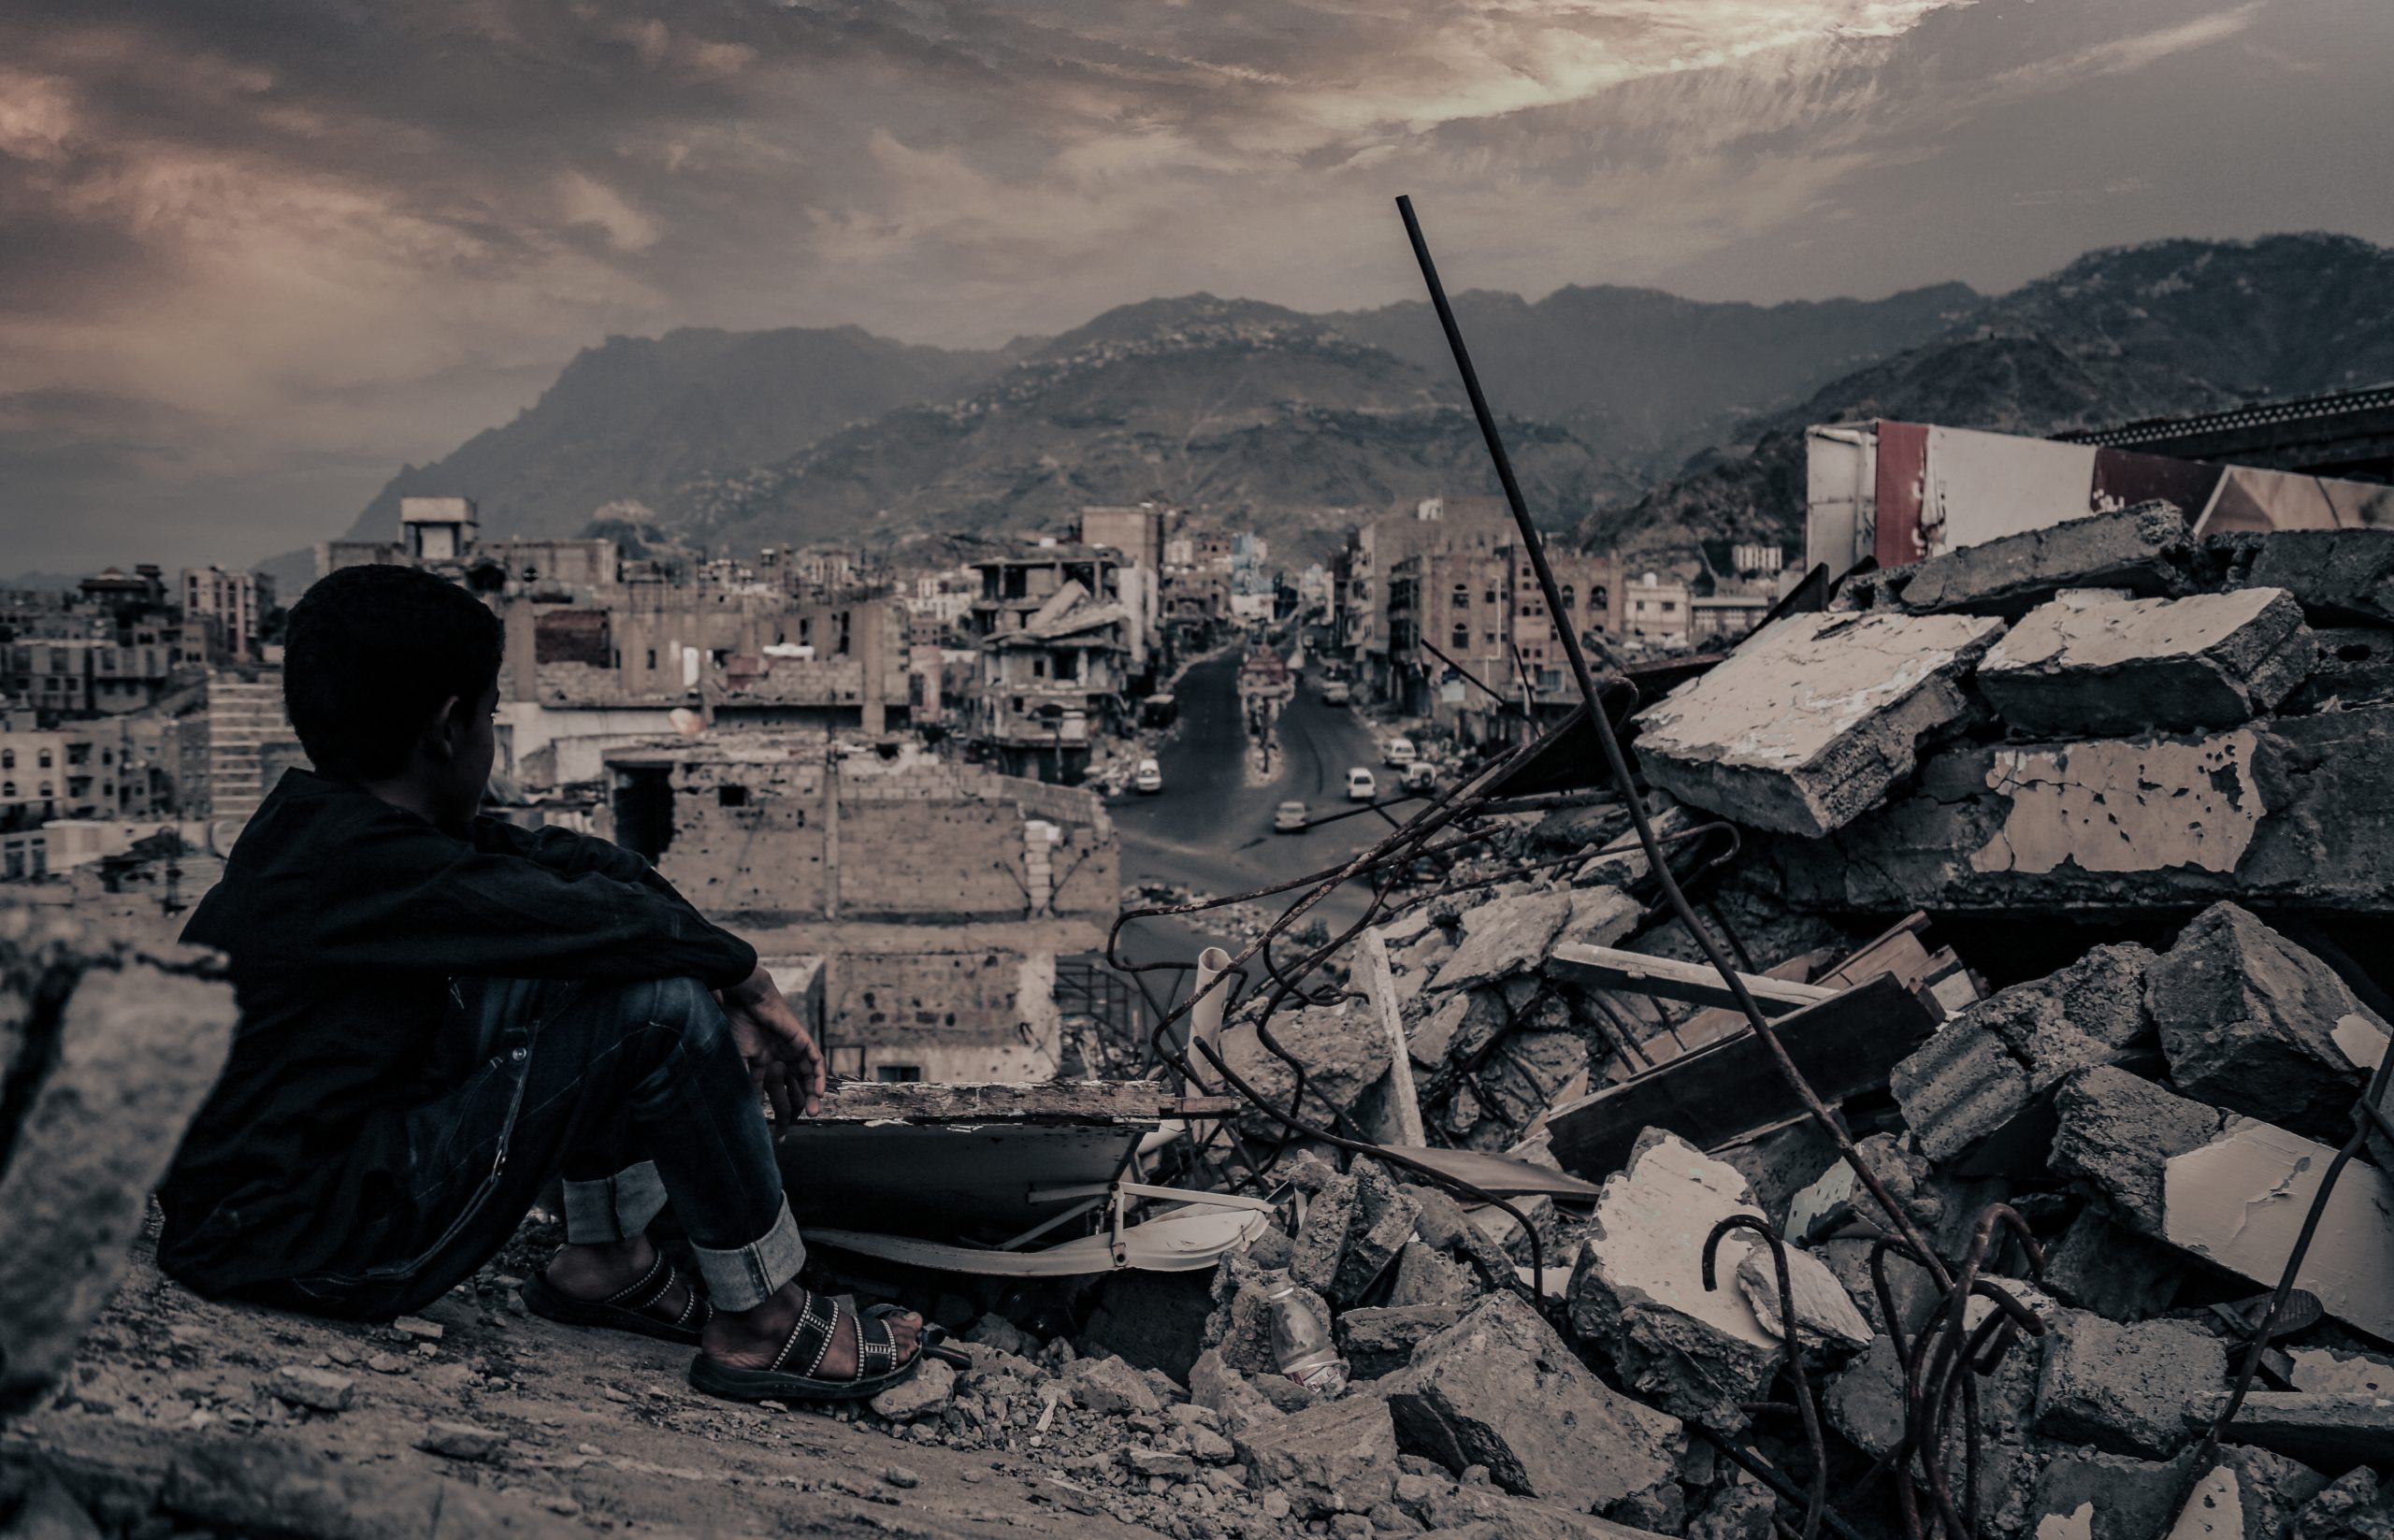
1360 786
1398 752
1289 818
1420 775
1148 777
1334 693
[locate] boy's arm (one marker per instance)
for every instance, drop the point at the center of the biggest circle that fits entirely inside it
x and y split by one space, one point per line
574 852
408 897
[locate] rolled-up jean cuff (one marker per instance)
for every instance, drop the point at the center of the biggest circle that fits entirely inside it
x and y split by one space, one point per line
746 1277
615 1209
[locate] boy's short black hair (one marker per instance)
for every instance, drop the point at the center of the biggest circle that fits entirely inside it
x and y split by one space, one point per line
369 654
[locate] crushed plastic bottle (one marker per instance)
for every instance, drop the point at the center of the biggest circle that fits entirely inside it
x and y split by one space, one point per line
1301 1344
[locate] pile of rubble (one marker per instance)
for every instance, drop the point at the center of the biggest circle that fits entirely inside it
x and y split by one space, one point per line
2130 737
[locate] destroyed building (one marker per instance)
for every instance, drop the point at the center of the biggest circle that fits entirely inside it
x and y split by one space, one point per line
933 899
1065 635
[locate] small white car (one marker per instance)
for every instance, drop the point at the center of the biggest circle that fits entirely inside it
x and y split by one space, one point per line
1398 752
1289 818
1148 777
1361 788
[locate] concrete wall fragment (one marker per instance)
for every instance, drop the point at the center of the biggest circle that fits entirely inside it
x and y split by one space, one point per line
2099 666
2277 813
108 1053
1814 718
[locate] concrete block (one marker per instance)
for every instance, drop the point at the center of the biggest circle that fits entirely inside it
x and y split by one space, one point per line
2351 1508
2116 1134
2239 1200
1322 1238
2351 665
131 1054
1335 1456
1637 1297
1504 936
1381 1340
2131 1389
1814 718
2099 1266
2143 549
1500 1389
2325 1370
1424 1277
1383 1222
1977 1094
2267 813
2251 1494
2255 1024
1344 1048
1826 1318
2085 665
2339 576
2085 1495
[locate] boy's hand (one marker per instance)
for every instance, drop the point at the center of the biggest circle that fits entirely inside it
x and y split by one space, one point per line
782 1057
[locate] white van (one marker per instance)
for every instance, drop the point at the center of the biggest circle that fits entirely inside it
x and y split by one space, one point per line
1398 752
1361 788
1148 777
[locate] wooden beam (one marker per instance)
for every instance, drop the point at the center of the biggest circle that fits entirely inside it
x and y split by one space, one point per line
1721 1092
1667 978
1380 982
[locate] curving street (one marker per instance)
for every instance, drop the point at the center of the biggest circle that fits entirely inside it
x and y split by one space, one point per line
1210 833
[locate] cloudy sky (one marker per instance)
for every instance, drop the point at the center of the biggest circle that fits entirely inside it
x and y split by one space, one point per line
254 253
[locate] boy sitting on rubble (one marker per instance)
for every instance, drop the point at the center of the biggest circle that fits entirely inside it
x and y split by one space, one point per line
441 1014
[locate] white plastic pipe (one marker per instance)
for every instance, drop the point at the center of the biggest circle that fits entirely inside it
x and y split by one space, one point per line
1205 1018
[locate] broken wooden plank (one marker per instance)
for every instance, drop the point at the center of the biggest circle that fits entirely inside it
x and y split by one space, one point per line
1844 1046
1380 982
1667 978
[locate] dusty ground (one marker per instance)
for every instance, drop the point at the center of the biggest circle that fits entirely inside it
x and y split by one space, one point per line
599 1429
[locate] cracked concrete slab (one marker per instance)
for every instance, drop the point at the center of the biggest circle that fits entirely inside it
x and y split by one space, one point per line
2142 548
1814 718
2261 814
2094 665
2239 1202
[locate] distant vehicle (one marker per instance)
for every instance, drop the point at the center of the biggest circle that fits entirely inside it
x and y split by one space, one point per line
1420 775
1148 777
1361 788
1335 693
1398 752
1289 818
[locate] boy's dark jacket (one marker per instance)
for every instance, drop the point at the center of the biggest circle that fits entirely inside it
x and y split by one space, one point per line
344 918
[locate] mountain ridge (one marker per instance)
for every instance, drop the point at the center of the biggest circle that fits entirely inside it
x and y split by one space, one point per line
1642 417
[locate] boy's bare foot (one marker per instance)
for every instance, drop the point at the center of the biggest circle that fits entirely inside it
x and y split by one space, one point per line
749 1339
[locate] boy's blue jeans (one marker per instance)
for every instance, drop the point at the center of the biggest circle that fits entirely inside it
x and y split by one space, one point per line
632 1093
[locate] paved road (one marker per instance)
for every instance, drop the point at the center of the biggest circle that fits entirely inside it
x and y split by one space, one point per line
1209 831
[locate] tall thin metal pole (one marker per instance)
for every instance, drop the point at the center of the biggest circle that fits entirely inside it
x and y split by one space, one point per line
1617 763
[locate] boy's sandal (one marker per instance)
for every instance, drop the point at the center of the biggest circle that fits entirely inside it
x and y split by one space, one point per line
796 1371
638 1309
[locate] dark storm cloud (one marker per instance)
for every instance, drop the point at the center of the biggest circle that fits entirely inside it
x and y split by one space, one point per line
278 246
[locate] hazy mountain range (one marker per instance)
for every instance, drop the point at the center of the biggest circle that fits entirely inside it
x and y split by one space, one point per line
1635 417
